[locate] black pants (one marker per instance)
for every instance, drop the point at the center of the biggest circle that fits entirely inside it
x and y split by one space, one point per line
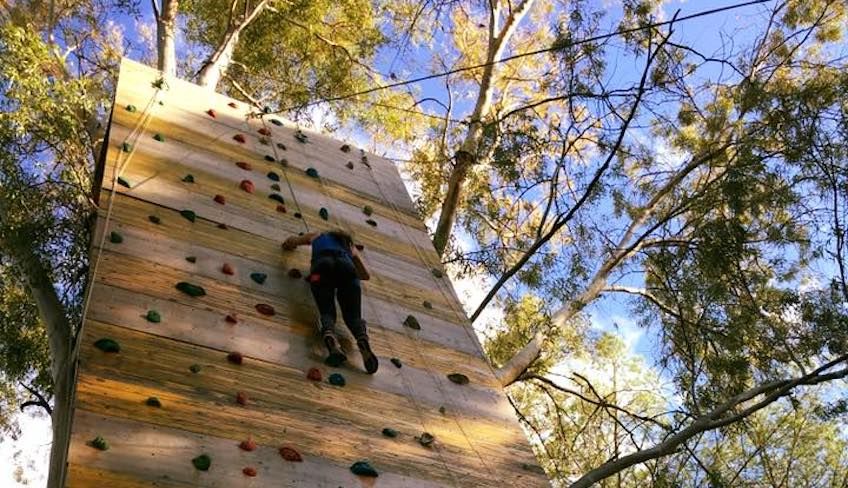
336 278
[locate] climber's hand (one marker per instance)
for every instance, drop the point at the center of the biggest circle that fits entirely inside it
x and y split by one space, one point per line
290 244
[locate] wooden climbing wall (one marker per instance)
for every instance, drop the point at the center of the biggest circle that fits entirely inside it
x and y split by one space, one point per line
179 213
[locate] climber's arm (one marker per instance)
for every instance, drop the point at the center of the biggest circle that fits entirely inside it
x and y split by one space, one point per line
294 241
361 271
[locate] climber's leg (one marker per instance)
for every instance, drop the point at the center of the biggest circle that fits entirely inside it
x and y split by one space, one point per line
350 301
323 290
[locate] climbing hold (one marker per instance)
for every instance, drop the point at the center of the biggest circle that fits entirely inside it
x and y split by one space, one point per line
314 278
389 432
211 113
232 105
264 131
368 210
107 345
297 215
284 162
190 289
130 108
228 269
412 322
458 378
437 273
239 138
126 147
115 238
194 368
275 187
159 137
263 141
362 468
235 357
220 199
289 454
281 146
154 219
247 186
277 198
153 402
124 182
191 259
427 305
364 160
281 208
426 439
359 247
241 398
336 379
324 213
269 158
189 215
248 445
442 410
99 443
243 165
314 374
202 462
231 318
153 316
249 471
223 226
273 176
188 178
301 137
295 273
265 309
371 222
312 172
276 122
396 362
345 148
259 277
349 165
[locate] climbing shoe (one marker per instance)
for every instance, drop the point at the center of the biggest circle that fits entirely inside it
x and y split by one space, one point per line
335 357
369 359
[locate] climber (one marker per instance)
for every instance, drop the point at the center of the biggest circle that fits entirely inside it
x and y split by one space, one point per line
335 273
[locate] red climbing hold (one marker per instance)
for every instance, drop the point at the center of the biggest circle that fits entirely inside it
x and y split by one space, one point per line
227 269
235 357
359 247
314 278
249 471
289 454
232 105
264 131
223 226
239 138
265 309
281 208
248 445
247 186
211 113
295 273
241 398
314 374
244 166
220 199
231 319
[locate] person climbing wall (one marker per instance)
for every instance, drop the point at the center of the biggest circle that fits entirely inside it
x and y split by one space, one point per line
336 272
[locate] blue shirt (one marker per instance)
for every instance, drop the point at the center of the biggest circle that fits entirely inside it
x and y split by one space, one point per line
327 242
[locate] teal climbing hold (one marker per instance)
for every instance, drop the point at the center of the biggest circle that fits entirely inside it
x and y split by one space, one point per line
115 238
131 108
159 137
277 198
437 273
189 215
412 322
428 305
194 368
107 345
191 259
154 219
275 187
367 210
458 378
99 443
297 215
396 362
269 158
336 379
324 213
124 182
389 432
153 402
202 462
363 468
190 289
273 176
312 172
281 146
276 122
189 178
126 147
371 222
259 277
301 137
153 316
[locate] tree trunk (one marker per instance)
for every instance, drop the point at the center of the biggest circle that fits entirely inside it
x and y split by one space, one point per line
63 387
217 64
166 26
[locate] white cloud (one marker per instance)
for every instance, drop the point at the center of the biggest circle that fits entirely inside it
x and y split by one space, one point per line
30 453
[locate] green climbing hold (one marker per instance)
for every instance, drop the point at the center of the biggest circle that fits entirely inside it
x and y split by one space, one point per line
126 147
389 432
115 238
371 222
124 182
188 178
426 439
159 137
191 290
277 198
275 187
153 402
189 215
194 368
281 146
396 362
336 379
363 468
154 219
428 305
202 462
324 213
437 273
276 122
107 345
191 259
367 210
131 108
159 83
442 410
153 316
301 137
99 443
312 172
259 277
412 322
273 176
458 378
269 158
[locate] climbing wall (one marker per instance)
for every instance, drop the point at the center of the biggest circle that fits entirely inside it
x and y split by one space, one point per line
198 361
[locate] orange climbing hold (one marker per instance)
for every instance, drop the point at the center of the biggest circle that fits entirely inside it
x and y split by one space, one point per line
239 138
248 445
265 309
295 273
314 374
264 131
289 454
211 113
244 166
220 199
241 398
227 269
235 357
232 105
281 208
247 186
249 471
